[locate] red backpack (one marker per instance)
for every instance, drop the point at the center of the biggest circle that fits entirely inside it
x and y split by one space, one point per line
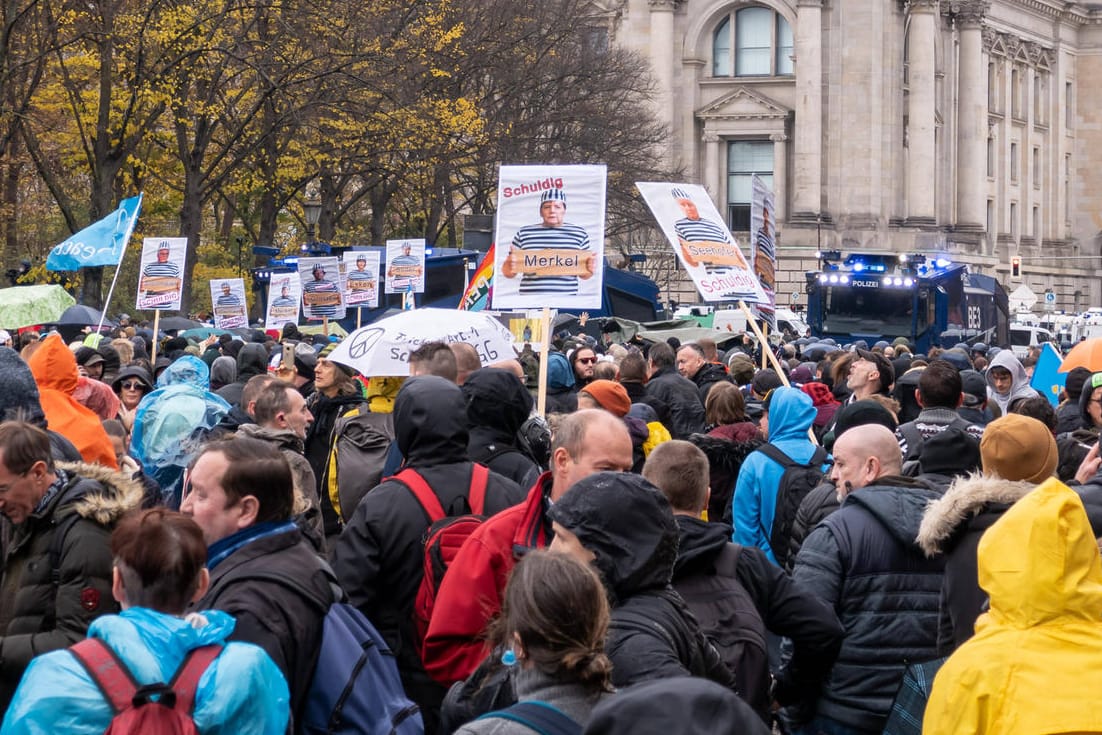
153 709
442 539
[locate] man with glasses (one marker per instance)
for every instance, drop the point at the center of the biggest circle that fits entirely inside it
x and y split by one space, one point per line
57 559
584 361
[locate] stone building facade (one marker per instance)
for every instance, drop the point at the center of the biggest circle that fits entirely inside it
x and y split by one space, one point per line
967 128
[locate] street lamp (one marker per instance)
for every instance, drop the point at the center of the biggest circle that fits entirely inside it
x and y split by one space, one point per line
311 210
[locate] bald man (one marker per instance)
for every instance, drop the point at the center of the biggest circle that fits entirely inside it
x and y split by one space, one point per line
864 562
466 360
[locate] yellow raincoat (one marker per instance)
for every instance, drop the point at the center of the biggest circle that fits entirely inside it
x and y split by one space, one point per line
1035 663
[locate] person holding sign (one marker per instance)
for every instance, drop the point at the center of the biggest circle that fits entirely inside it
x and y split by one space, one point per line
541 253
321 307
702 241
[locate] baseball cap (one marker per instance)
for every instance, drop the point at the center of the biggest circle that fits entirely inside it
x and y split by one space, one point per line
887 372
974 388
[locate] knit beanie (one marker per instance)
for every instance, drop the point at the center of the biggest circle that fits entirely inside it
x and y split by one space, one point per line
951 451
610 395
765 381
1016 447
18 391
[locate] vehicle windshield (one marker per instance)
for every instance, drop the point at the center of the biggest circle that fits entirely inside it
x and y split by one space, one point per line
848 310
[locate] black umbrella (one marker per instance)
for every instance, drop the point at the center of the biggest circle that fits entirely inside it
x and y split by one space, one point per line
178 324
79 315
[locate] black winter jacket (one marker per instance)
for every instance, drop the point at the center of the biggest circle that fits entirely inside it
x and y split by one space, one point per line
252 360
683 399
251 585
816 505
379 556
719 603
637 392
863 560
725 459
36 617
681 706
627 523
319 443
708 375
952 526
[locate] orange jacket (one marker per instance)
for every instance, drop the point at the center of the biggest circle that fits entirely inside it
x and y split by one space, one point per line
55 370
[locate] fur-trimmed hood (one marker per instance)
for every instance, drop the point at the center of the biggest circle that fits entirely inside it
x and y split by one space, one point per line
120 493
965 499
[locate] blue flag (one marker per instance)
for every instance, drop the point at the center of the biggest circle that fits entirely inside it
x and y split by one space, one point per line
102 243
1046 379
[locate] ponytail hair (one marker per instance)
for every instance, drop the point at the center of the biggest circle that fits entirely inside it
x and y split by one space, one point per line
557 607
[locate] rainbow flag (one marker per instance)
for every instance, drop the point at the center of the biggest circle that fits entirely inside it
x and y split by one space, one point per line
477 295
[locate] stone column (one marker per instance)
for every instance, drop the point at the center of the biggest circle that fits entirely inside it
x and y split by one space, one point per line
808 175
661 58
712 174
921 209
971 120
780 177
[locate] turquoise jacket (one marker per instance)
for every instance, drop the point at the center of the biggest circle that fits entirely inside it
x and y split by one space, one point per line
755 500
241 693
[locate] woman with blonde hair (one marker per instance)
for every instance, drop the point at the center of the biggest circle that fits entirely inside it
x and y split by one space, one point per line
552 629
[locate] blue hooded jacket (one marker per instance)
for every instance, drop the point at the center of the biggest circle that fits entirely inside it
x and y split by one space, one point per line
791 413
241 692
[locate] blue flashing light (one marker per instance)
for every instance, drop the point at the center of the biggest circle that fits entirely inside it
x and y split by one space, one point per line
858 267
942 263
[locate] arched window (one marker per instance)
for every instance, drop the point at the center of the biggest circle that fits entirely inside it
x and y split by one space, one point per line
761 40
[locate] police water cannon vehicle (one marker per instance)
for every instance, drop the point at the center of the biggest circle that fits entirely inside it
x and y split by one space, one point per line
928 299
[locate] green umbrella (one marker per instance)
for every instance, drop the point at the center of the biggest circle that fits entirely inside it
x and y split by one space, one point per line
23 306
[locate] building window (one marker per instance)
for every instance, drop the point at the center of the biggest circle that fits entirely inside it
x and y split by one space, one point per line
752 42
1013 220
1015 93
990 216
1037 223
745 158
990 157
1036 172
1069 107
1013 162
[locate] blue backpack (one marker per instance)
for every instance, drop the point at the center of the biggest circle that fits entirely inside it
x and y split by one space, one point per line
356 689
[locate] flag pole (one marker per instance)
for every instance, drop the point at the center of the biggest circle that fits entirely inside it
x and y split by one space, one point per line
545 345
118 266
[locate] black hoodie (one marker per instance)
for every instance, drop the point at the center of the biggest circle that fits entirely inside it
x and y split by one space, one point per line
735 611
627 523
379 557
679 706
251 360
498 404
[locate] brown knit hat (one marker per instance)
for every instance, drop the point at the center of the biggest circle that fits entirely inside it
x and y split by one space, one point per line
1016 447
611 396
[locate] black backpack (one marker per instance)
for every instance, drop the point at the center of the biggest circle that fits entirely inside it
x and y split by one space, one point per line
796 482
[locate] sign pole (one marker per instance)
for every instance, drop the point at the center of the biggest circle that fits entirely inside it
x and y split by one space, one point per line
766 352
156 331
325 326
545 349
359 316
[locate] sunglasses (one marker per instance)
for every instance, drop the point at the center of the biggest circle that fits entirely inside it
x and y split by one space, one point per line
132 385
587 360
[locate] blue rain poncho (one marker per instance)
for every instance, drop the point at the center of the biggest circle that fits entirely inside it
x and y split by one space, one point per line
173 421
242 692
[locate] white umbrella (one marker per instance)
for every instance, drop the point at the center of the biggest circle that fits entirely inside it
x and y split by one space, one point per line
383 347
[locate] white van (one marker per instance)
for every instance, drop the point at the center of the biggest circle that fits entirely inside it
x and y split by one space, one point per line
1023 337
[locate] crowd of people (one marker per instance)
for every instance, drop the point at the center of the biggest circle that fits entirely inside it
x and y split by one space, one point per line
871 541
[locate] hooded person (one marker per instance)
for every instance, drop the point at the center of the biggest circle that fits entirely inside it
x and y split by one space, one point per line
788 415
677 706
251 360
111 363
1017 453
223 372
561 396
173 421
55 371
378 557
1007 381
498 404
826 405
1032 665
1069 414
624 526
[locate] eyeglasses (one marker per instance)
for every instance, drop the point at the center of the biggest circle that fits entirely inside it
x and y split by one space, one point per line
587 360
132 385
